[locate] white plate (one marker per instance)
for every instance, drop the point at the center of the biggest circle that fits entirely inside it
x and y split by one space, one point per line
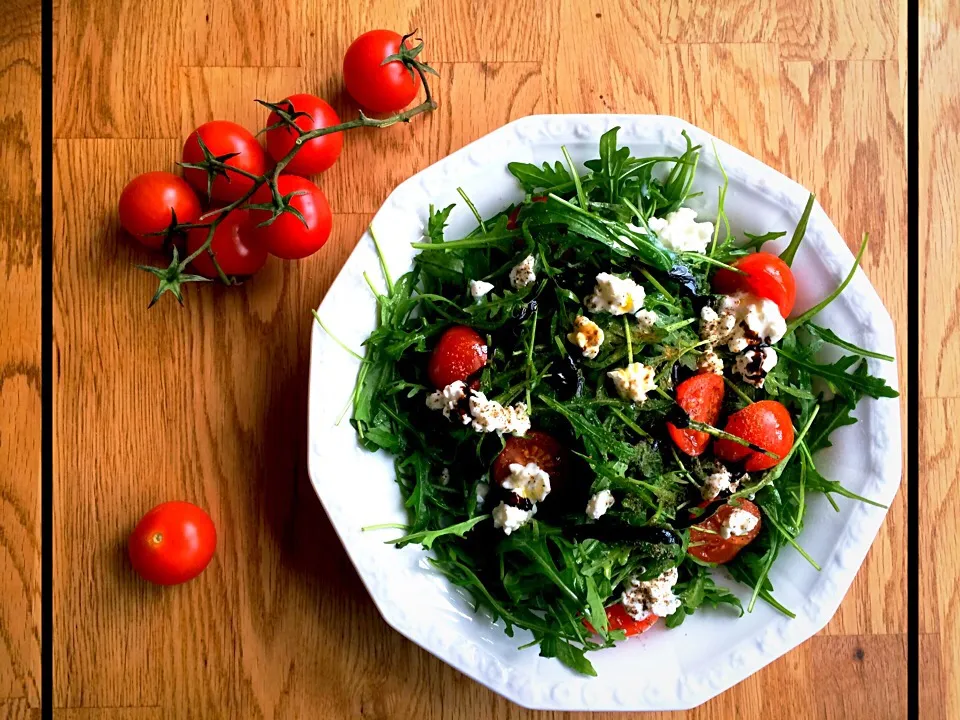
663 669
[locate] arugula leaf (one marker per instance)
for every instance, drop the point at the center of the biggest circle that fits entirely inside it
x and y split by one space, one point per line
848 376
700 591
545 177
570 655
834 413
831 337
428 537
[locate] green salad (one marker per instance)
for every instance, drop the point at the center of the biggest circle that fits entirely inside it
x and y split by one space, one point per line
595 398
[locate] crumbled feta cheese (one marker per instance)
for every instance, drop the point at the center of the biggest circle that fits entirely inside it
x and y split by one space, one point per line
448 399
743 320
642 598
482 490
710 362
523 274
738 523
717 482
679 231
445 477
716 328
479 288
646 320
754 364
617 296
634 381
491 416
586 335
511 518
528 481
599 503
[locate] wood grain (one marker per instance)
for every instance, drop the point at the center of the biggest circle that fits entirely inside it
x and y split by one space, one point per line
208 403
20 361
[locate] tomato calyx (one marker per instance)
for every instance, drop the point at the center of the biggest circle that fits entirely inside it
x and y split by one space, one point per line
171 278
408 56
281 204
214 166
286 112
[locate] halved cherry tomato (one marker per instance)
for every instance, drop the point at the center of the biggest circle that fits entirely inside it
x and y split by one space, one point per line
458 355
515 213
767 276
222 137
288 237
316 155
172 543
619 619
701 397
238 250
766 424
149 202
715 548
376 85
536 447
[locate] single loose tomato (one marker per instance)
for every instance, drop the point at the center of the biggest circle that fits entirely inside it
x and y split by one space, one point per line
222 139
515 213
288 237
315 155
701 397
767 276
766 424
459 353
619 619
150 202
534 447
172 543
238 250
709 545
375 85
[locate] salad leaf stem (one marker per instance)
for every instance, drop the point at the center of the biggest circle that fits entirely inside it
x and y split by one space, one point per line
791 251
581 196
473 209
812 312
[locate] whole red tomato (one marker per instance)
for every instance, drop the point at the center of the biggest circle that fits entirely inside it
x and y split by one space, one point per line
701 397
459 353
315 155
149 203
238 250
766 424
172 543
767 276
223 138
376 86
709 545
288 237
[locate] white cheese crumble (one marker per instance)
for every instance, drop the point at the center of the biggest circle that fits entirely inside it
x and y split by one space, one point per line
511 518
482 490
528 481
715 328
679 231
448 399
646 320
710 362
479 288
754 364
634 381
491 416
743 320
445 477
522 274
599 503
716 482
738 523
617 296
586 335
642 598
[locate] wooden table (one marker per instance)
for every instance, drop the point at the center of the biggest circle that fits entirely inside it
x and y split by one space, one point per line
208 403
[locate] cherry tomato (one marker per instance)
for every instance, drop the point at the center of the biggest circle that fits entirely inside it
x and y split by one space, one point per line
767 276
619 619
316 155
172 543
515 214
536 447
766 424
715 548
149 201
287 237
235 243
701 397
222 138
375 86
459 353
